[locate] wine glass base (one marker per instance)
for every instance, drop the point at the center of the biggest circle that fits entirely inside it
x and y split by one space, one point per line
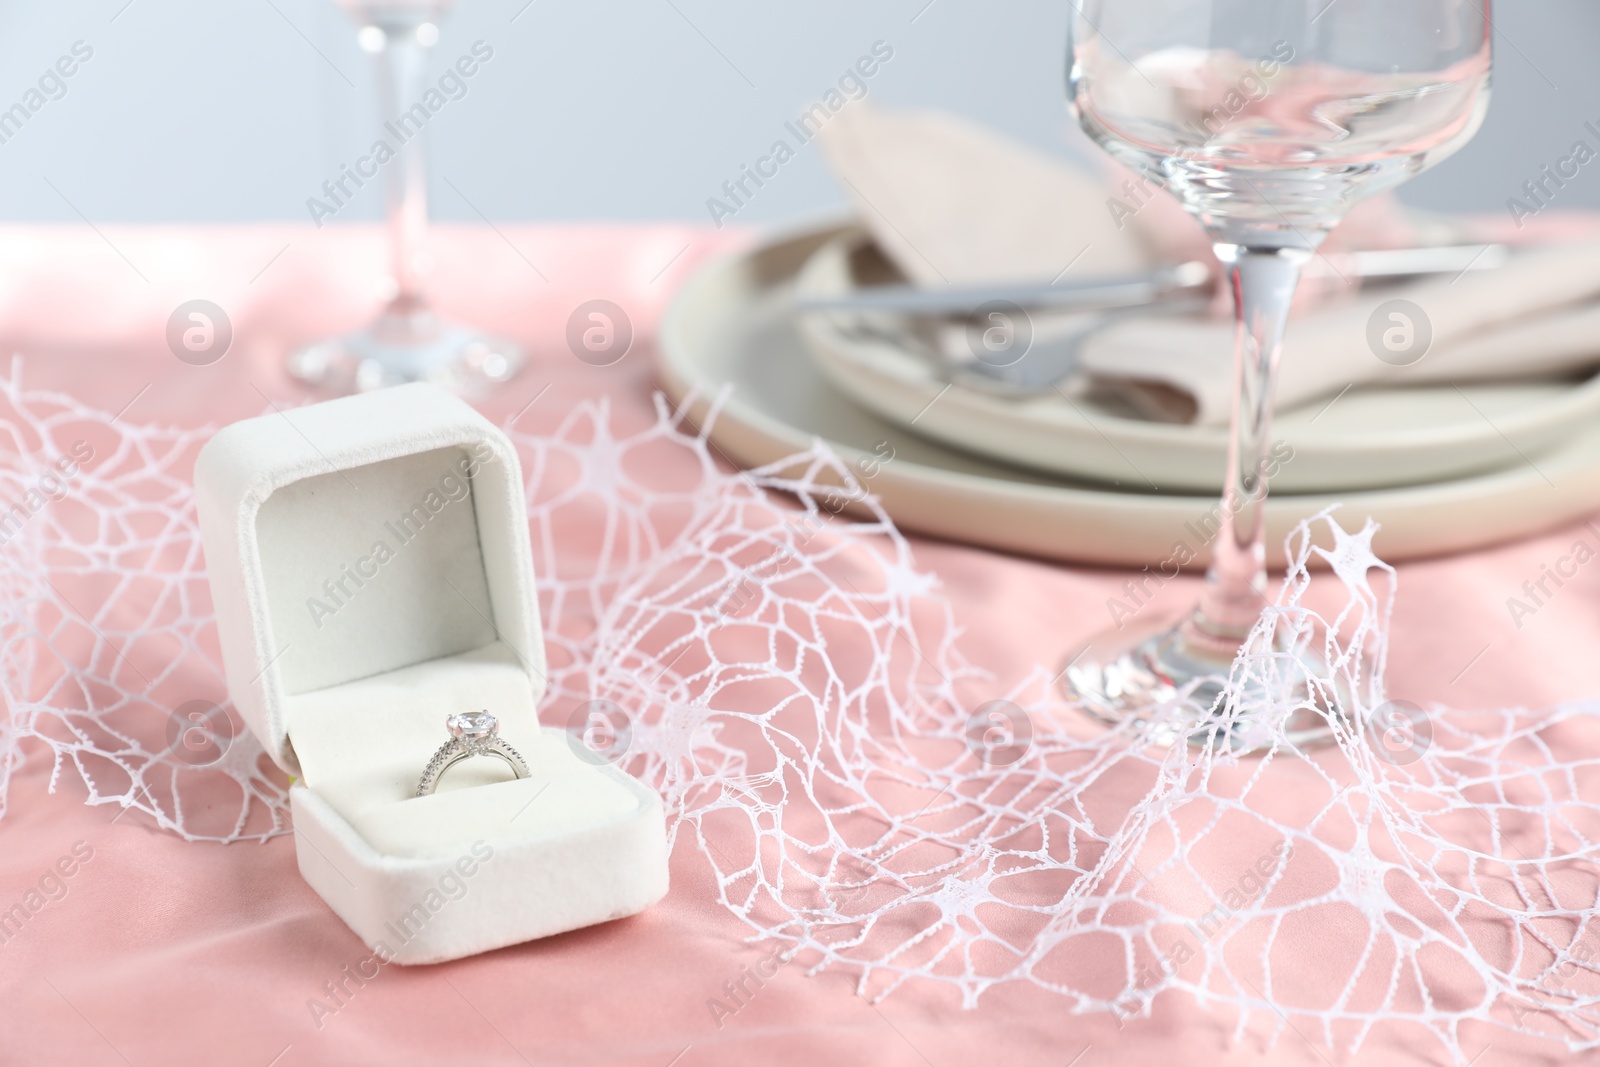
457 357
1170 682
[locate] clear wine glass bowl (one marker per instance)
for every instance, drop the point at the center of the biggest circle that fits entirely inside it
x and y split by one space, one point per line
1268 120
1280 113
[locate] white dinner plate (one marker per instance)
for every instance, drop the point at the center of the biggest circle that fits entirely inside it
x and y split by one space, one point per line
732 326
1371 438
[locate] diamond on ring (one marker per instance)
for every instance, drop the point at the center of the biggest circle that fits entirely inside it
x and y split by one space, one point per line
472 733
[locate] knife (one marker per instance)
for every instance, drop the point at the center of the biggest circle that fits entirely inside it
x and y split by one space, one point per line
1149 287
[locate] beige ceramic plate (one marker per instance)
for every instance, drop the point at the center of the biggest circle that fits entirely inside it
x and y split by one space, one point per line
732 325
1369 439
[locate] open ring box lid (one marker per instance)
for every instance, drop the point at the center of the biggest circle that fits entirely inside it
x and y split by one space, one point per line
371 571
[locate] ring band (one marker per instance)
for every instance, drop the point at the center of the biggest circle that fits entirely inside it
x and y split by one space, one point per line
472 733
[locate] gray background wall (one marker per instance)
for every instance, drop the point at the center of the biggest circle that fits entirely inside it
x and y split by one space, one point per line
238 110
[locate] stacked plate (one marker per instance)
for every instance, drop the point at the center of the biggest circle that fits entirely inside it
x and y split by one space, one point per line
1070 477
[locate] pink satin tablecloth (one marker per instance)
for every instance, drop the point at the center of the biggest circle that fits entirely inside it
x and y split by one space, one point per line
168 952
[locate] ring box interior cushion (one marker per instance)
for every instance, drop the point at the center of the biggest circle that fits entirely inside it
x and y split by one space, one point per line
371 572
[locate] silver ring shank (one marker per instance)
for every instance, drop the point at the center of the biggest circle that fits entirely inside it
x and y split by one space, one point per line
453 752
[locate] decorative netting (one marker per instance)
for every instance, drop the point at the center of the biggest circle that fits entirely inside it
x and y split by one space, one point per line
762 648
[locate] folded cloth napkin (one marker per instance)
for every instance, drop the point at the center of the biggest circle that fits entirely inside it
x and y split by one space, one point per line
951 203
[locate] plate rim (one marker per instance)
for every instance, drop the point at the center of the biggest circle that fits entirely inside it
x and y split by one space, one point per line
681 376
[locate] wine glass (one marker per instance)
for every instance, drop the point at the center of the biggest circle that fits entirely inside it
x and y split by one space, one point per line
408 341
1269 120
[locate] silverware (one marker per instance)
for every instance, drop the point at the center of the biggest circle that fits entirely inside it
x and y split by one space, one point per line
1183 280
1050 360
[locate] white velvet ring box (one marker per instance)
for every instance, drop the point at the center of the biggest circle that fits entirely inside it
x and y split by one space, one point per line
370 566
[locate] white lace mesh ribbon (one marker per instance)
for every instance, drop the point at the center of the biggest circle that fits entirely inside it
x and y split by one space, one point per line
794 687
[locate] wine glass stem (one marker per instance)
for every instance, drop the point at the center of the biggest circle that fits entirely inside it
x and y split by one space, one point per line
401 67
1263 280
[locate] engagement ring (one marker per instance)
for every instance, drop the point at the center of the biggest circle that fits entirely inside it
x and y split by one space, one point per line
472 733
